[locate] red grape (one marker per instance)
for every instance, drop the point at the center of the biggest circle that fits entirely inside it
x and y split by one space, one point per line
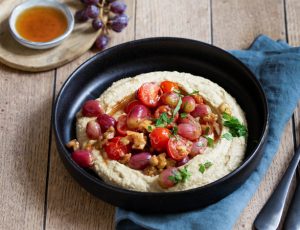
92 11
93 130
97 24
119 22
189 131
137 115
118 7
83 158
198 147
105 121
170 99
101 42
91 108
201 110
81 16
188 104
139 161
164 177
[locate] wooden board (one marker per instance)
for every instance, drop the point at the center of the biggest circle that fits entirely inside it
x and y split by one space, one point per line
19 57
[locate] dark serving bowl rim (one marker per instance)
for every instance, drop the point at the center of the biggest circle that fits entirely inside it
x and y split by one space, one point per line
159 39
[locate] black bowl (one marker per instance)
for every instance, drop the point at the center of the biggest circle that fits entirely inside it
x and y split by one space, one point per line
158 54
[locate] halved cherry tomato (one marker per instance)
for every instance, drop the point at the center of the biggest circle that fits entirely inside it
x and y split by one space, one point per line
122 125
168 86
159 138
166 109
178 148
130 105
115 149
149 94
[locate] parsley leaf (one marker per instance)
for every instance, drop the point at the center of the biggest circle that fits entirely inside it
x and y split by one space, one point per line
183 115
163 120
227 136
174 130
182 175
203 167
236 128
177 108
210 141
149 128
177 91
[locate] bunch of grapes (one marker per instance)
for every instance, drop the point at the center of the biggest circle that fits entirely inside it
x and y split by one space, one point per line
106 15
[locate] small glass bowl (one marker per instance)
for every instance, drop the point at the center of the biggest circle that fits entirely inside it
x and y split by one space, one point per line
47 3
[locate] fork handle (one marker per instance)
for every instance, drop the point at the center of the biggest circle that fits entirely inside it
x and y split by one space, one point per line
292 221
270 215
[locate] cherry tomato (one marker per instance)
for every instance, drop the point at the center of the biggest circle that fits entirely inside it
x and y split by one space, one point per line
122 125
168 86
149 94
130 105
115 149
178 148
159 138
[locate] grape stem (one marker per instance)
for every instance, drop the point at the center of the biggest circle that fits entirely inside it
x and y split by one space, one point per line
103 17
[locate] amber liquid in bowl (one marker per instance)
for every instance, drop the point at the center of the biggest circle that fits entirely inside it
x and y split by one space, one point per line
41 24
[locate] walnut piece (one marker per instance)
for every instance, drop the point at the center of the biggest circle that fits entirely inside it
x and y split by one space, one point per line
73 144
138 140
224 108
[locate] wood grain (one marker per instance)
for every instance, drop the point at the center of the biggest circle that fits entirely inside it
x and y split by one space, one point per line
68 205
235 24
25 109
173 18
19 57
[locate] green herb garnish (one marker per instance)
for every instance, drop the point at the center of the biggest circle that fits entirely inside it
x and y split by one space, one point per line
183 115
149 128
203 167
177 108
210 141
236 128
180 176
174 130
227 136
163 120
177 91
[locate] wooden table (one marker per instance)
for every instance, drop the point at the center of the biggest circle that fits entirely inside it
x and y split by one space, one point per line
37 192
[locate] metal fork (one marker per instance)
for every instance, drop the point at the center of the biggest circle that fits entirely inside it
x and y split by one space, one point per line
270 215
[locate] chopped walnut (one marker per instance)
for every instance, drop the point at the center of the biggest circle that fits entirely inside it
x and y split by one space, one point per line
206 129
89 145
125 159
73 144
153 160
211 117
170 163
146 125
110 133
162 161
198 98
138 140
224 108
151 171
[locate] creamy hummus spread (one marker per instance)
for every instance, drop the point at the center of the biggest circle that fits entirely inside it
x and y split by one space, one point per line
224 156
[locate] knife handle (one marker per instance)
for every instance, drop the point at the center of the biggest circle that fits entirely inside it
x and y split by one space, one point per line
270 215
292 221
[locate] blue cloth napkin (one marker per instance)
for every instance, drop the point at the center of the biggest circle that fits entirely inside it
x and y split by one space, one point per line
277 67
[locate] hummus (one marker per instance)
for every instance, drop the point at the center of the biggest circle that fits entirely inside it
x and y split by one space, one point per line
225 156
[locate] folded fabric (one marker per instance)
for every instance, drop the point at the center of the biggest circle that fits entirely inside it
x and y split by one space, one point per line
277 67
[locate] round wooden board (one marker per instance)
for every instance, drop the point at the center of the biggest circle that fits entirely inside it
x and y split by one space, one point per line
19 57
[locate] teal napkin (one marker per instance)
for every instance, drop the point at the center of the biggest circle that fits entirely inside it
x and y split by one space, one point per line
277 67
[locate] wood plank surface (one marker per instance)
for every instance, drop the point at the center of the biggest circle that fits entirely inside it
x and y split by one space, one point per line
68 205
173 18
235 24
31 198
25 109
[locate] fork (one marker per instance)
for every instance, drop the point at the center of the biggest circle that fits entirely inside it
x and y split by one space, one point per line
270 215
